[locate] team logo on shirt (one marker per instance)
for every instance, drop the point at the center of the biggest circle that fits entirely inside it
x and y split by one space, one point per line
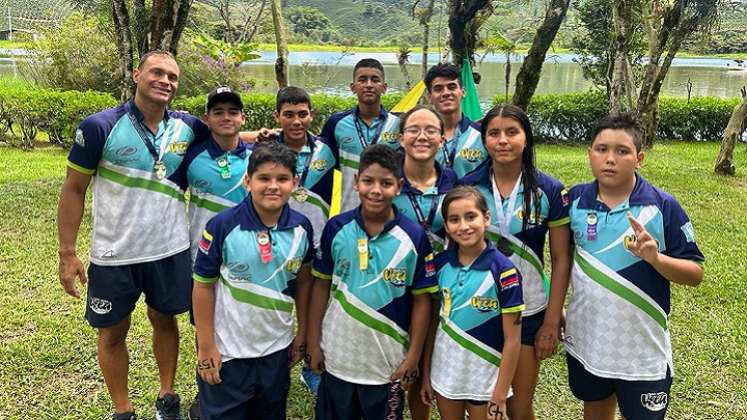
205 242
79 139
564 198
319 165
179 147
654 401
484 304
470 154
126 151
388 137
689 232
534 217
293 265
396 276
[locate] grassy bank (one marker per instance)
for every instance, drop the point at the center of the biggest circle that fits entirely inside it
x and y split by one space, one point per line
49 367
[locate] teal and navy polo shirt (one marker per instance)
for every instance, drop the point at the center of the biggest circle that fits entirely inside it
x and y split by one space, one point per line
254 300
525 246
425 207
464 151
347 134
617 322
373 283
137 217
210 191
469 339
315 169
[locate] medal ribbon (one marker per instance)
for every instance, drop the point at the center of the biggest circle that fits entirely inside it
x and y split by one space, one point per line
157 155
426 223
362 138
504 216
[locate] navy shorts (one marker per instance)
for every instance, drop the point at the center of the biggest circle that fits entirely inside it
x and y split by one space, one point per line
530 325
342 400
644 400
113 291
254 388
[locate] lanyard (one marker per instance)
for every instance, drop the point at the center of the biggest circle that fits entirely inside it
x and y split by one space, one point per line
362 138
426 223
305 172
450 152
157 155
504 216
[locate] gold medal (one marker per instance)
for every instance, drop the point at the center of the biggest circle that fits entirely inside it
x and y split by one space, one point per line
160 169
363 254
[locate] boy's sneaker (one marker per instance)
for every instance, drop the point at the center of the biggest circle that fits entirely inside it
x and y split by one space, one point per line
127 415
194 409
167 408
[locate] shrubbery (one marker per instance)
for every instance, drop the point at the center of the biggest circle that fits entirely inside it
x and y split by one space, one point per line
569 118
25 110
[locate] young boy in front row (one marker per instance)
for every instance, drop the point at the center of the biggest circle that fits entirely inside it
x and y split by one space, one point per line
371 301
252 266
632 240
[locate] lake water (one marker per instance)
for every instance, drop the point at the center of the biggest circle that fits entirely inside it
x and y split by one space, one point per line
331 72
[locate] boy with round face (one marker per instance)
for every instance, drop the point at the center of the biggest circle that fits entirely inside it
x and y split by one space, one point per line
350 132
370 303
251 270
462 149
632 241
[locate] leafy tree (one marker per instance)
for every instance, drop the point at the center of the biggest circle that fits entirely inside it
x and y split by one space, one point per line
309 23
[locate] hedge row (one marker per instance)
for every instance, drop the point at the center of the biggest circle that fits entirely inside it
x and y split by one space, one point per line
570 117
26 110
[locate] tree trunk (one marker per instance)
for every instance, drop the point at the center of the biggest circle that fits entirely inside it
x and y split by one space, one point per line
247 36
403 57
732 134
621 17
141 26
281 63
124 46
167 21
529 73
425 22
462 31
181 11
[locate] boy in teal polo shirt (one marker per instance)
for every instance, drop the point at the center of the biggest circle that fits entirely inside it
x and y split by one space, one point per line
371 300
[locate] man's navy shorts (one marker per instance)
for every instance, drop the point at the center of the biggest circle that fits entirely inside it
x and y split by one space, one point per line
113 291
644 400
341 400
254 388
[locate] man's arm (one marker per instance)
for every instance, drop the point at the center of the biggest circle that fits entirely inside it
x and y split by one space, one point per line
69 215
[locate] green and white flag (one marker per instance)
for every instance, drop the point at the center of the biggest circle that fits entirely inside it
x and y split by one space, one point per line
471 101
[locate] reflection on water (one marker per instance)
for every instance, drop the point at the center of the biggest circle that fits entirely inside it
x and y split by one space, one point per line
331 72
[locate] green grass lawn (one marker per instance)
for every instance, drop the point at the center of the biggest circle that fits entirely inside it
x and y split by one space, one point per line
48 367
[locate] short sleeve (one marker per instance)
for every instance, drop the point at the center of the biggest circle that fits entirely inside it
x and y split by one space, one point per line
209 253
200 129
180 176
323 264
560 203
679 233
424 280
508 280
88 147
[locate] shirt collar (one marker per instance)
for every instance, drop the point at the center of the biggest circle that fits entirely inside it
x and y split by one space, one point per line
139 115
310 140
482 263
250 219
643 194
215 151
464 124
444 181
383 114
387 226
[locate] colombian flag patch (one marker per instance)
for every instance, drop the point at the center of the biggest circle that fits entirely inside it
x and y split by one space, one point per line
509 279
206 241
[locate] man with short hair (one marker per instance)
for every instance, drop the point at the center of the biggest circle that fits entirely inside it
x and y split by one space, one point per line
140 240
462 150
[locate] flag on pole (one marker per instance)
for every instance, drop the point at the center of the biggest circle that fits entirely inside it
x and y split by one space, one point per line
471 101
410 99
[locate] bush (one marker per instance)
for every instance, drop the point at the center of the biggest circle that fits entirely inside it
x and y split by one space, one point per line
569 118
